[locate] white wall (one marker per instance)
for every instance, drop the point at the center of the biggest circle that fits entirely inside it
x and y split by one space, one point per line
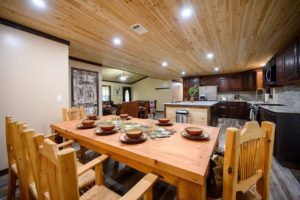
117 99
33 72
145 90
90 67
177 91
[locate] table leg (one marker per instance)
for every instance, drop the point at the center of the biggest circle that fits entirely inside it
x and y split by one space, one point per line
187 190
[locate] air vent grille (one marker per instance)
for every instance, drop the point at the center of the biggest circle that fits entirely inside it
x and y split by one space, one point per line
138 28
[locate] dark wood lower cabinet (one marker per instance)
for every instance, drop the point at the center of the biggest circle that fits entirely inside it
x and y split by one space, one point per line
238 110
287 136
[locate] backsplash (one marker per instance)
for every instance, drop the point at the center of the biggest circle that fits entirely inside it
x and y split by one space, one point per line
249 96
287 95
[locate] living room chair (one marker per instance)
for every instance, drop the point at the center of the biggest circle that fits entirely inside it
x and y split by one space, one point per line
248 158
64 186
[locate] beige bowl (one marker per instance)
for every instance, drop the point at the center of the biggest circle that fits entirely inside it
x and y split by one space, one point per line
193 131
107 127
134 133
88 122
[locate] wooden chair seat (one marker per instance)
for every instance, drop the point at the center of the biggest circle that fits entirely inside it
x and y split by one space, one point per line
86 178
100 191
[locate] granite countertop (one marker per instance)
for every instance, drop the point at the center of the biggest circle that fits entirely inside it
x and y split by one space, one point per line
281 109
195 103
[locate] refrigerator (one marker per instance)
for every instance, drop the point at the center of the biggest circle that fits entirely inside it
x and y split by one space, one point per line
210 92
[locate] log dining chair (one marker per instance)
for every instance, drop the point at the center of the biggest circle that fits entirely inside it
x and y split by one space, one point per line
12 151
75 114
31 142
247 160
64 186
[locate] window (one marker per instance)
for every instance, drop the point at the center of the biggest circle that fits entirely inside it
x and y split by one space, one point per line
105 93
127 96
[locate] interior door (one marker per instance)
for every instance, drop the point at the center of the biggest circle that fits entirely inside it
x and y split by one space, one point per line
126 94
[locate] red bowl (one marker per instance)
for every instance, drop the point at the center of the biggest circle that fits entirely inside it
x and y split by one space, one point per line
163 120
193 131
134 133
88 122
107 127
123 116
92 117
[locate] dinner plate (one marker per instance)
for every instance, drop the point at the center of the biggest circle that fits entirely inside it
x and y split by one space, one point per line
164 124
124 138
81 126
203 136
99 131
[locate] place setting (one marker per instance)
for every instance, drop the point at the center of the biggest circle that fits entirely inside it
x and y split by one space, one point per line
164 122
107 128
194 133
89 122
133 135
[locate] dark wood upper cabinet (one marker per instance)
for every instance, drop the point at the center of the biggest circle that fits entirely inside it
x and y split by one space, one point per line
209 80
287 64
249 80
235 81
224 85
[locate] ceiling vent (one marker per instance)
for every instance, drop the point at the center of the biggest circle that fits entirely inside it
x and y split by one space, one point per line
138 28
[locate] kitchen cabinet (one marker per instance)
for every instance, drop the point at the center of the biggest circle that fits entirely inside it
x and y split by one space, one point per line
287 64
187 83
224 85
287 137
209 80
249 80
237 110
214 115
235 81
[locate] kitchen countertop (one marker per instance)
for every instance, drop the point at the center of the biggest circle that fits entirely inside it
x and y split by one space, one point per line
195 103
281 109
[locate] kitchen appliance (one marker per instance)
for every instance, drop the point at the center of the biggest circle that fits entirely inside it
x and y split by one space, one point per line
203 97
270 73
209 91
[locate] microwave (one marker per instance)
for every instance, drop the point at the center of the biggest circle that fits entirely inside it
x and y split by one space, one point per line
270 74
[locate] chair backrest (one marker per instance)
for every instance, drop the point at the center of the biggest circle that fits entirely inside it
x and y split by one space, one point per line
9 147
32 141
73 114
60 170
248 157
21 158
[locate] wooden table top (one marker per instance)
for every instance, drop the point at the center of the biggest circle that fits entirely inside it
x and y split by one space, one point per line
188 159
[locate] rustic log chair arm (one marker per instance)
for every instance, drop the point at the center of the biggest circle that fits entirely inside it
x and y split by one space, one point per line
91 164
143 187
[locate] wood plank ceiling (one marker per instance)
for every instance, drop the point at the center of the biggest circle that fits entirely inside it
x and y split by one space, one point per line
242 34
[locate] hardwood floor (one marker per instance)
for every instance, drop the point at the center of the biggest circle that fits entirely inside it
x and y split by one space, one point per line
283 183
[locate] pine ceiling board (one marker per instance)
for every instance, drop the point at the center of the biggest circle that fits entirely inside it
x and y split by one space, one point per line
242 34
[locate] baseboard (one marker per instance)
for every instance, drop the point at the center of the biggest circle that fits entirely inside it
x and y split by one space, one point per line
3 172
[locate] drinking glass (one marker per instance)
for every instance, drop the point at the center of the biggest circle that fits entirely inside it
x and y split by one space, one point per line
114 114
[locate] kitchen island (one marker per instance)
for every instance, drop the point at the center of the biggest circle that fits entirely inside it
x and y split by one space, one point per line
200 112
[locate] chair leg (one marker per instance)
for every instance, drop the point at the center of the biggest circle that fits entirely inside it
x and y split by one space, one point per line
11 190
82 153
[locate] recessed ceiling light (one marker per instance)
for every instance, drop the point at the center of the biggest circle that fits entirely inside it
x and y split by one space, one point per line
123 78
164 64
39 3
117 41
264 64
182 73
216 69
186 12
210 56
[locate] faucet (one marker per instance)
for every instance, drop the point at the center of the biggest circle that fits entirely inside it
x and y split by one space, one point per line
258 91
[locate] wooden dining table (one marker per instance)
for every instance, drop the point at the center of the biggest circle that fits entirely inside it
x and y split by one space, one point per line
177 160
